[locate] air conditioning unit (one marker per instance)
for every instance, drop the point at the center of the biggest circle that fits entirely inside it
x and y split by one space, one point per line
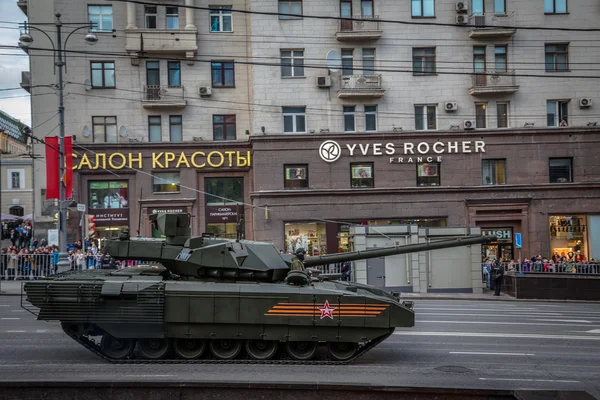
204 91
469 124
451 106
462 6
323 81
584 103
462 19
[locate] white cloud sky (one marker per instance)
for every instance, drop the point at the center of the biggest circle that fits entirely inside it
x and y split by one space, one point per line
12 62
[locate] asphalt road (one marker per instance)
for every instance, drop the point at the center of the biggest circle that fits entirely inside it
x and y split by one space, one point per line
464 344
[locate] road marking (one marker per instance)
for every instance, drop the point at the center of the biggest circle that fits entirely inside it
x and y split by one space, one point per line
4 305
150 376
477 309
494 316
498 335
528 380
10 318
490 323
490 354
41 331
15 331
593 331
17 310
575 321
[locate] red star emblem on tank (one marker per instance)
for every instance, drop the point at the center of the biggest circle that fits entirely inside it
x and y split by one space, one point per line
326 310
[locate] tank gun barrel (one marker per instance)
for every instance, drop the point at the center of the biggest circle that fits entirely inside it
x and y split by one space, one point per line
390 251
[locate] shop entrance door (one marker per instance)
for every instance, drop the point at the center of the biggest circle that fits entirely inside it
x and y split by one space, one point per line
376 272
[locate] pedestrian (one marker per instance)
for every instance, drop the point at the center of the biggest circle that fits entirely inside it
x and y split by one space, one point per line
497 273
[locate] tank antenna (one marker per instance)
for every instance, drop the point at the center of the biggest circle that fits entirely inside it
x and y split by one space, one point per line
140 211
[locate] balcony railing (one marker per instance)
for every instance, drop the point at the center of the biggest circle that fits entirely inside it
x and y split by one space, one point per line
26 80
493 82
162 41
365 29
492 25
158 96
361 86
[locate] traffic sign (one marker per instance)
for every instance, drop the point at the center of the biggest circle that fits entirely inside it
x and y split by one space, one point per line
518 240
81 207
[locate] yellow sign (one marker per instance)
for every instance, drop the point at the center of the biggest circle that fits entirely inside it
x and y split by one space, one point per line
164 160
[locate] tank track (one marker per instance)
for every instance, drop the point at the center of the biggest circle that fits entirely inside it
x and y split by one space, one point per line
94 347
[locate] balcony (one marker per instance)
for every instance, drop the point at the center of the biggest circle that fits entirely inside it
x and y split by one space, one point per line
366 29
162 41
492 26
360 86
162 96
26 80
493 82
22 4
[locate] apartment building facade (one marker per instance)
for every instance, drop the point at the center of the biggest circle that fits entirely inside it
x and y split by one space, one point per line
272 89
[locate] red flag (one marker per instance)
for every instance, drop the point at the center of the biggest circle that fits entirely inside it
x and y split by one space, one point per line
52 169
68 178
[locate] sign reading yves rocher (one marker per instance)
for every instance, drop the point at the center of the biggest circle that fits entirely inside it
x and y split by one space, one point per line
407 152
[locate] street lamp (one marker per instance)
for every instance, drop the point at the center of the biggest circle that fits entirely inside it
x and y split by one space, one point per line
25 40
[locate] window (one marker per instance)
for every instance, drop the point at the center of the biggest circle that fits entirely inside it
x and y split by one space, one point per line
479 59
224 191
561 170
103 74
172 18
423 8
555 6
423 61
557 113
154 133
292 63
221 19
502 115
294 119
175 128
428 174
16 178
108 194
481 115
477 7
101 17
349 119
370 118
224 127
223 74
557 57
368 61
346 12
499 6
174 68
425 118
104 129
166 182
494 172
361 175
150 13
290 7
500 61
366 9
347 62
295 176
152 73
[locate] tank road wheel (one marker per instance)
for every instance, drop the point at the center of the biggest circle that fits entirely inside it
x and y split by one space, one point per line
302 350
153 349
116 348
225 349
261 349
342 351
189 349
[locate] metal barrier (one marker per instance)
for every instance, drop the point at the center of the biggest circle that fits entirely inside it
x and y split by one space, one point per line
550 268
36 266
335 271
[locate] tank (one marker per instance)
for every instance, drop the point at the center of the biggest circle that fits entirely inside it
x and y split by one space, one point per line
206 299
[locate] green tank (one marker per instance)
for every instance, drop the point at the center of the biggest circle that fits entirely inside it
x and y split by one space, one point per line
221 300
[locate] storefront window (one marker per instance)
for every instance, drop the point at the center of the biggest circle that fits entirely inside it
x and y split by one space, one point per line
108 194
309 235
569 236
362 175
502 248
296 176
224 206
428 174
